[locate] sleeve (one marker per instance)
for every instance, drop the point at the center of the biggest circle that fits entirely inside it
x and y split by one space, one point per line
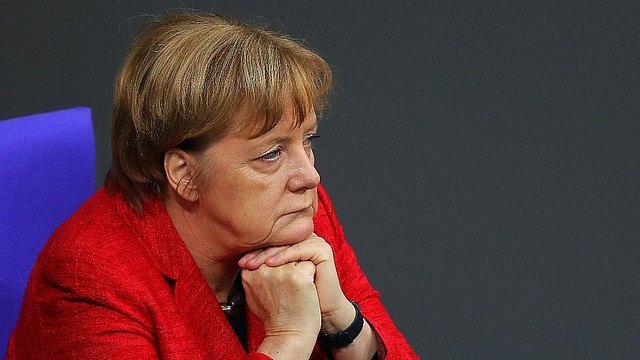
83 303
74 309
355 284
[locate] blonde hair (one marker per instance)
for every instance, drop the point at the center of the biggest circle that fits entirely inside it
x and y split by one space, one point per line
184 79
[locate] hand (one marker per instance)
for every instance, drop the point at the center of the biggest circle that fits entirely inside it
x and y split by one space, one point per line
284 298
337 312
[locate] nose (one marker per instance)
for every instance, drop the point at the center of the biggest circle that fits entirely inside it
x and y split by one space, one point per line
304 175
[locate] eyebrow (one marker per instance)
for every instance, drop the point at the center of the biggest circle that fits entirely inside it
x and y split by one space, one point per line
284 139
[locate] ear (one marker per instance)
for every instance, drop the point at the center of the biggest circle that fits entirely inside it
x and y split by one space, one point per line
180 169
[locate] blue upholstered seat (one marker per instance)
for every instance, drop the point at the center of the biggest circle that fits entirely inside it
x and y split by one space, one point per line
47 169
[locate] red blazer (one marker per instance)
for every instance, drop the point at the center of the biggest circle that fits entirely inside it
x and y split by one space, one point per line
111 284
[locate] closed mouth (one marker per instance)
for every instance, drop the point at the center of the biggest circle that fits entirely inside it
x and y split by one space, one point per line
300 210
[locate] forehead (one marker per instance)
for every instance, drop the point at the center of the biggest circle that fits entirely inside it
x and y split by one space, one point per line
253 124
244 144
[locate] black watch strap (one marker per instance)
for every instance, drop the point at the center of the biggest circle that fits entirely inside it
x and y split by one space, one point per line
346 337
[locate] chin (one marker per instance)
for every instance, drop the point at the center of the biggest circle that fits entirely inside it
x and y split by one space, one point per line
293 233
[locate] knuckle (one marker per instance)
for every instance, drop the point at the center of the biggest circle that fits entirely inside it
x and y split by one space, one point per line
327 248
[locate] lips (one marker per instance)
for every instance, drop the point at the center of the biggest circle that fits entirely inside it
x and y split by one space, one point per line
300 210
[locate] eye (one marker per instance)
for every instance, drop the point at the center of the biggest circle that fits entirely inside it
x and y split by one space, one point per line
308 141
272 155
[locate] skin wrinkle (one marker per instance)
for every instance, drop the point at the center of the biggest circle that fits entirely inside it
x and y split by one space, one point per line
251 170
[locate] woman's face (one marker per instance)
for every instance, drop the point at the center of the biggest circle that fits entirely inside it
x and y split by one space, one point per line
259 192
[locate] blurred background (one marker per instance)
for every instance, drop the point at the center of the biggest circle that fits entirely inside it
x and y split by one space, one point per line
483 156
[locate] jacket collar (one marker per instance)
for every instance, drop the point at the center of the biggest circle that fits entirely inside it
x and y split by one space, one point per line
158 235
193 296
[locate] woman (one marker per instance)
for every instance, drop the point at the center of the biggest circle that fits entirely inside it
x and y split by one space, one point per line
212 237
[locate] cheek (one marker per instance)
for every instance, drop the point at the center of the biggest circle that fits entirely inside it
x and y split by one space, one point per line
268 192
259 202
264 206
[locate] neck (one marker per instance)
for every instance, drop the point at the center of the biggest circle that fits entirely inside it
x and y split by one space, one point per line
219 271
219 275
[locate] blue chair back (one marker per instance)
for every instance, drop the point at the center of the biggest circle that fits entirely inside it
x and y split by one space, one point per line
47 167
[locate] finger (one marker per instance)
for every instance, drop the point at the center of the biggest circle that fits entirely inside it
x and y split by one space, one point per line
270 276
307 268
315 250
248 256
254 259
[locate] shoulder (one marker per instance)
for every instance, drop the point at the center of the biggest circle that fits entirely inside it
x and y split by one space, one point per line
325 207
96 227
326 223
326 212
94 246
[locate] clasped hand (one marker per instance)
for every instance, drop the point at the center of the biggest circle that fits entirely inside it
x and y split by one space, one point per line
294 290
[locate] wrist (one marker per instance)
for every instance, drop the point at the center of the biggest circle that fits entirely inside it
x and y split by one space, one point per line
287 346
338 319
344 337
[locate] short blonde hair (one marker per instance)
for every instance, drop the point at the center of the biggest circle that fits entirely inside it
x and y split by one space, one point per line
186 76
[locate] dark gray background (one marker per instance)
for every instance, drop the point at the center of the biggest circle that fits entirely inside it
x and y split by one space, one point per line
483 156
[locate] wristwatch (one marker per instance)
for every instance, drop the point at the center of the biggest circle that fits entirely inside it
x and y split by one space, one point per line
346 337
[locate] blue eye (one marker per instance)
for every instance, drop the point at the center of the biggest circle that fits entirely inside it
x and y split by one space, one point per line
272 155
